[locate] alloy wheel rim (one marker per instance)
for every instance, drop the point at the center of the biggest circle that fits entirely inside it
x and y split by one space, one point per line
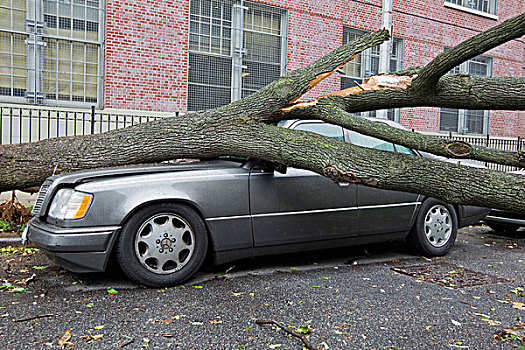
438 225
164 243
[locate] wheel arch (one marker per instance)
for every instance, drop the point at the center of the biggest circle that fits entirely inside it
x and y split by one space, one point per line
188 203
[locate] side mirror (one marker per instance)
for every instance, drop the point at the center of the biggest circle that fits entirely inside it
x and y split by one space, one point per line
280 168
272 166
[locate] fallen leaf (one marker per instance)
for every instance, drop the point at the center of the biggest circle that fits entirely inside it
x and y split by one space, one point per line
112 291
63 340
492 322
482 315
455 323
99 327
305 329
517 305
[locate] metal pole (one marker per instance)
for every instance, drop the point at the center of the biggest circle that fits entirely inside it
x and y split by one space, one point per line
92 119
384 49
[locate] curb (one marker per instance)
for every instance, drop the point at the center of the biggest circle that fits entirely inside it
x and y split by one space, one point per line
10 238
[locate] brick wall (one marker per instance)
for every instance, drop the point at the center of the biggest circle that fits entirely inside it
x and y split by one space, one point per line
146 55
147 41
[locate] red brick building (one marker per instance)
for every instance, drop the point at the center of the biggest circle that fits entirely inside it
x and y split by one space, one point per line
189 55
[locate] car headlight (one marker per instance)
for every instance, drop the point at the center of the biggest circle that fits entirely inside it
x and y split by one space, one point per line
69 204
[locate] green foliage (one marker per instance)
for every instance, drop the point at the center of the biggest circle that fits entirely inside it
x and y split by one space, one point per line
8 226
305 329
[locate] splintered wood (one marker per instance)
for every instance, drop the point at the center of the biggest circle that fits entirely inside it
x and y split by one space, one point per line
376 82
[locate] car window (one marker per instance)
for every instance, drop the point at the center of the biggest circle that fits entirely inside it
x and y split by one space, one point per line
370 142
330 130
403 149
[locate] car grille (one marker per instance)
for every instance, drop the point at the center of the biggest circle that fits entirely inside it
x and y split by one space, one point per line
41 196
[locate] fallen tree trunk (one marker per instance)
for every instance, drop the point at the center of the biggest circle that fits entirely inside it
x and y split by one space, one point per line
246 128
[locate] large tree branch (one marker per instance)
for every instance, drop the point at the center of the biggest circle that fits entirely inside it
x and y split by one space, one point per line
453 91
457 91
510 29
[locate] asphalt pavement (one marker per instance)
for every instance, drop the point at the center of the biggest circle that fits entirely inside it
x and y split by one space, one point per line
373 297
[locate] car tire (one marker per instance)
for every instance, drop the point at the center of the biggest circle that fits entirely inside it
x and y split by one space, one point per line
162 245
435 229
503 228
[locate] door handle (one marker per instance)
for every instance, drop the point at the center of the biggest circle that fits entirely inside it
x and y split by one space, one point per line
344 184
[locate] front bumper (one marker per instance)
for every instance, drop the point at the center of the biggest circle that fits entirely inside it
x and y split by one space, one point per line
85 249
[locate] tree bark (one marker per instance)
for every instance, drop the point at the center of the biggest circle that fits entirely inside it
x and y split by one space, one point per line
247 128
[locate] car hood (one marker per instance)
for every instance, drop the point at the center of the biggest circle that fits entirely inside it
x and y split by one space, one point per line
98 174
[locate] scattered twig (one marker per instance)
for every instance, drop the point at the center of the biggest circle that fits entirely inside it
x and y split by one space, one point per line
229 269
164 334
33 317
30 279
126 343
289 331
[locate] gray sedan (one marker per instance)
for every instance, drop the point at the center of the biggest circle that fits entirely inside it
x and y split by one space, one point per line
161 222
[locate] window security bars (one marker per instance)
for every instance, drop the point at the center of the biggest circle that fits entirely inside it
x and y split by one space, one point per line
462 120
487 6
50 51
236 47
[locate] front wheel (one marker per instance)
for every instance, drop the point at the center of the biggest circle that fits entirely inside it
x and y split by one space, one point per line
435 229
162 245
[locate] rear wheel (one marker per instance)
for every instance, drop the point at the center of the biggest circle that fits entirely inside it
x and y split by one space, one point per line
435 229
162 245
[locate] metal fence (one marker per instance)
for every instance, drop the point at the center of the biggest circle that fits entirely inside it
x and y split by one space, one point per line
29 124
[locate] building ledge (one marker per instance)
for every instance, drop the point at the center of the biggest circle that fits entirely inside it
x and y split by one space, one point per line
472 11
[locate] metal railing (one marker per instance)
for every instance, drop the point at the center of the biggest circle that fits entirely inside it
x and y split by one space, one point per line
20 124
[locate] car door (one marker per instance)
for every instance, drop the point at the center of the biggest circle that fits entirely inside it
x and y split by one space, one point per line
301 206
382 211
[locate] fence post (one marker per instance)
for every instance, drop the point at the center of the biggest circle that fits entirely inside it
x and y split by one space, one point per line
519 144
487 141
92 119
